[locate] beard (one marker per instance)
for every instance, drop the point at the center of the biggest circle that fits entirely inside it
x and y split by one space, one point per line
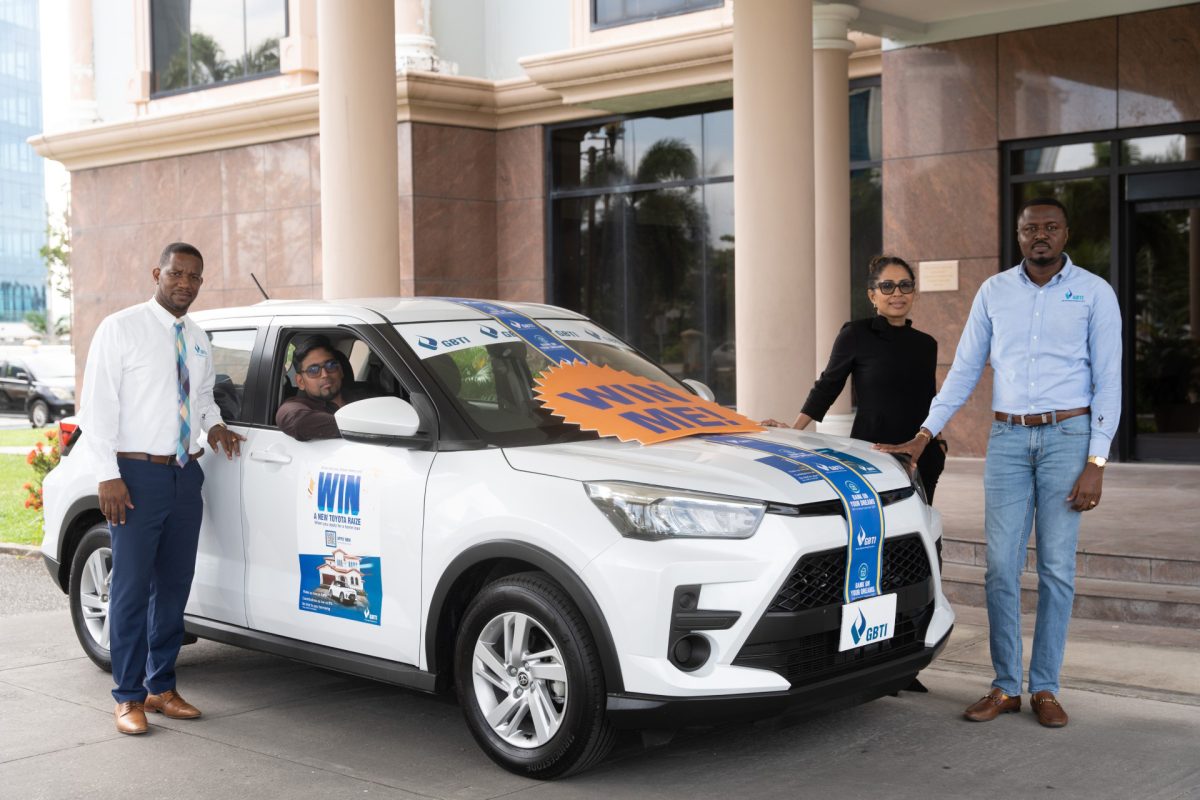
1044 261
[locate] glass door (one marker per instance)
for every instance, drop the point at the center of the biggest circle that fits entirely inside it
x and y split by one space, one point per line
1162 397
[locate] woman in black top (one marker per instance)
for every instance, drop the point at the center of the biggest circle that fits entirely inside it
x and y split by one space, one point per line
893 367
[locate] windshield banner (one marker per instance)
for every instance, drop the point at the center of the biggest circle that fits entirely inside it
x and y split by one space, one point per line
532 333
864 512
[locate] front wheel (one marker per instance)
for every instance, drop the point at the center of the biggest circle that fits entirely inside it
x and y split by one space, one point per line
91 582
39 414
529 679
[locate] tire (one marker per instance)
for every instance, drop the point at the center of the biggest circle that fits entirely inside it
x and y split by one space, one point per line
39 414
559 727
91 574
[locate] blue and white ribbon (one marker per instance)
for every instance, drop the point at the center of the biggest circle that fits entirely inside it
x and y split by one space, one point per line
864 512
525 328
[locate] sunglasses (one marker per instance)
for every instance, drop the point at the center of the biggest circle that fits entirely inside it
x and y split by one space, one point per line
889 287
331 366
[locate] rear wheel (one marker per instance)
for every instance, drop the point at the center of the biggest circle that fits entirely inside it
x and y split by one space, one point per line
529 679
91 581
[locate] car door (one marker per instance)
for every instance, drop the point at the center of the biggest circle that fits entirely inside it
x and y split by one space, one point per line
16 384
219 587
333 528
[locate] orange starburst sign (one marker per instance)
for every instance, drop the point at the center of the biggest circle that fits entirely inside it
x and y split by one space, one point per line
617 403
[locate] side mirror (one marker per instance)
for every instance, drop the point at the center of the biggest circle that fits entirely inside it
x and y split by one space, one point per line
378 419
700 389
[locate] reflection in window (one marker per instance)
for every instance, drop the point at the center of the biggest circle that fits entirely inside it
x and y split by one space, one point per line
231 363
642 236
609 13
1171 148
216 41
1061 158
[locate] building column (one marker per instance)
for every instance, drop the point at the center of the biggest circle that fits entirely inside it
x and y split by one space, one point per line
416 50
83 69
831 137
773 205
360 214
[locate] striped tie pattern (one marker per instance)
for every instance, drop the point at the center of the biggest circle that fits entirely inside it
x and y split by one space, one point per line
185 388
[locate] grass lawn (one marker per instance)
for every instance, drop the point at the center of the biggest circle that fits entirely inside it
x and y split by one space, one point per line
17 523
22 436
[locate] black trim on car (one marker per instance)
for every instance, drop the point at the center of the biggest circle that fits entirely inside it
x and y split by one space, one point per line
640 711
829 508
66 538
379 669
510 550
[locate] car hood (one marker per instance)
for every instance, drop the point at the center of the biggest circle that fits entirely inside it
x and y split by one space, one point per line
705 466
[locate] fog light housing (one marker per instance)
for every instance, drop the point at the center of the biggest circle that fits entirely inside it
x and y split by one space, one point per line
690 653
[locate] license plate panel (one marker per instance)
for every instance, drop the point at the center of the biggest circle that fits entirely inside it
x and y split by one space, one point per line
868 622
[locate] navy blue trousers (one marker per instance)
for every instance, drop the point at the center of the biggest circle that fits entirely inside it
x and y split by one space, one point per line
154 559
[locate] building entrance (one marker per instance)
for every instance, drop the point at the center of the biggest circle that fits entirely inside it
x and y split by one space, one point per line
1162 308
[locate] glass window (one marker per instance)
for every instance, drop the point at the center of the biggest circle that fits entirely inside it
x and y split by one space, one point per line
1061 158
866 235
231 362
493 384
1167 149
201 44
866 121
609 13
642 235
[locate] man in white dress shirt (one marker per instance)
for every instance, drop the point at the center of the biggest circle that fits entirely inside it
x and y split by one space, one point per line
147 391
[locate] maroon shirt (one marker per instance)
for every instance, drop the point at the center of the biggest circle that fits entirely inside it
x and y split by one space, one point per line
305 418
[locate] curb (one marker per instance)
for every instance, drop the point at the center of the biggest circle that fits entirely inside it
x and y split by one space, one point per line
12 549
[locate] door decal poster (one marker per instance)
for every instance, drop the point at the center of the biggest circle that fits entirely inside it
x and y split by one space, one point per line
339 545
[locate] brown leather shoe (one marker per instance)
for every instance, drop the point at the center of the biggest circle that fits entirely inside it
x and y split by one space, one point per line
131 717
170 704
1048 711
992 705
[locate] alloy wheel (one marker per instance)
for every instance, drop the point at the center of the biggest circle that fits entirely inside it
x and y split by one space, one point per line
520 680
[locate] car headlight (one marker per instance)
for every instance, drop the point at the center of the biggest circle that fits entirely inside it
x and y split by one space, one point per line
62 394
657 512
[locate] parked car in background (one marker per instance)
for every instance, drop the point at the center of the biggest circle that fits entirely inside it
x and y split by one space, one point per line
42 384
566 584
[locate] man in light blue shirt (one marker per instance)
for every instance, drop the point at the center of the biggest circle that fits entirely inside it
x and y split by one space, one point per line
1052 332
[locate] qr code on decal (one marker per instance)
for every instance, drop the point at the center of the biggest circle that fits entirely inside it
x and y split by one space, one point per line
331 538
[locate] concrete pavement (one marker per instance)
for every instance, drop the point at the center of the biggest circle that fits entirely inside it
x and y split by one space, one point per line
273 728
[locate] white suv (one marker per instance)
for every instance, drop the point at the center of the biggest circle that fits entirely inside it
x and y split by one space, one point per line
567 585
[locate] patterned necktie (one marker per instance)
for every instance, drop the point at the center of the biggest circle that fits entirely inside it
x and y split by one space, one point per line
185 388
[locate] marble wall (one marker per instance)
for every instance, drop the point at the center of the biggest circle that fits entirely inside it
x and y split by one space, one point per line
471 221
948 107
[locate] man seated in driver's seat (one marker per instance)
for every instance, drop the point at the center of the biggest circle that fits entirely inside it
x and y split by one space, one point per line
320 376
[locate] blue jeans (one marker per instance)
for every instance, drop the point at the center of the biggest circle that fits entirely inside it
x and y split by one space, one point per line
1027 477
154 559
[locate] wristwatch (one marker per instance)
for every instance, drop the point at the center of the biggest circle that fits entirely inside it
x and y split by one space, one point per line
1099 461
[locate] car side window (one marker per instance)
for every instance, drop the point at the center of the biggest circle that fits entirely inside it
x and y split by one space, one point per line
364 373
17 372
231 362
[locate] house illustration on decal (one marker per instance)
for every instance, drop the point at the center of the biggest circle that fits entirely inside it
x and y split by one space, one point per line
341 577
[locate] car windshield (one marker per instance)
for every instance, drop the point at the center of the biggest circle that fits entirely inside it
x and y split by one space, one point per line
490 373
50 366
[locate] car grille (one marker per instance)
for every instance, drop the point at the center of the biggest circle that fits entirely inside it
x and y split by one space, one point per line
818 579
816 657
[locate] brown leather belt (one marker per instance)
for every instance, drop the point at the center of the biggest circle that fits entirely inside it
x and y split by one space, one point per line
1045 418
153 459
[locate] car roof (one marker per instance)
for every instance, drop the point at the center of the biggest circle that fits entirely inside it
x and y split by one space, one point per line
381 309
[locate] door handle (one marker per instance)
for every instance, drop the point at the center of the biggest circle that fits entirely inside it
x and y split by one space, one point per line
270 456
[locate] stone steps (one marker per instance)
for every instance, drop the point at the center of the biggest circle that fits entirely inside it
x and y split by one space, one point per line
1134 601
1181 571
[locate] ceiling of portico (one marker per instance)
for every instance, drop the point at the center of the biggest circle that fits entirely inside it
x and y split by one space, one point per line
910 22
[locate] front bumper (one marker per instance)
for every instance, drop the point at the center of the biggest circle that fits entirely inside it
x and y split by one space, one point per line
636 711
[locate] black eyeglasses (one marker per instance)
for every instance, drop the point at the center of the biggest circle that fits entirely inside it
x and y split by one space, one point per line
330 366
889 287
